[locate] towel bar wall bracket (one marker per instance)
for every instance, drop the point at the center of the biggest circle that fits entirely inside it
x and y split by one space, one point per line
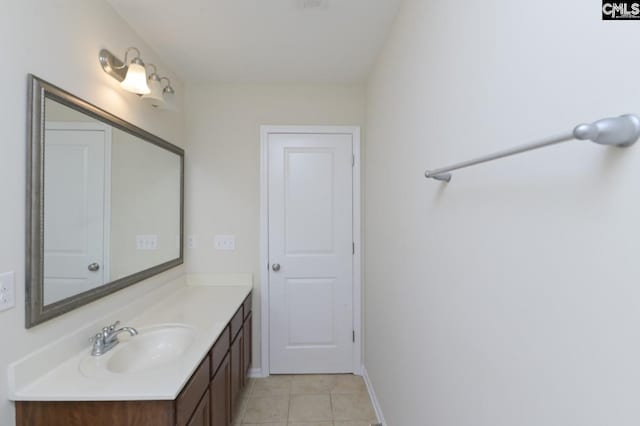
620 131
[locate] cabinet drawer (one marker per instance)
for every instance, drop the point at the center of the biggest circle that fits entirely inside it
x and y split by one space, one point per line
247 305
236 323
220 350
192 393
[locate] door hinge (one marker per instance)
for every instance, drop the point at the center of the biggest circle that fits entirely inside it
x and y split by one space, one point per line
353 160
354 336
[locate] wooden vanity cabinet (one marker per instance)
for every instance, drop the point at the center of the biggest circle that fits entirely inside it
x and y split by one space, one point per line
220 385
246 353
235 354
208 399
202 413
190 399
247 339
190 408
220 395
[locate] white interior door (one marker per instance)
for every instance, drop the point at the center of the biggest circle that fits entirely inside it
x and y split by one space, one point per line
75 158
310 211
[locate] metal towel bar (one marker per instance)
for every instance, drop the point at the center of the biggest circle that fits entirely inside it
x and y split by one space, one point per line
618 131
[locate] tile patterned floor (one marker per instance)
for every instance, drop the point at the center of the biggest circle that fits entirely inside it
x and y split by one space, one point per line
305 400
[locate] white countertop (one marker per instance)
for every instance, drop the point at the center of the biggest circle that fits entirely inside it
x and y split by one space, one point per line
207 309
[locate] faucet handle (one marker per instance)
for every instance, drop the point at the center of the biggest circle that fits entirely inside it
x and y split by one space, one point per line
113 326
105 333
98 344
96 339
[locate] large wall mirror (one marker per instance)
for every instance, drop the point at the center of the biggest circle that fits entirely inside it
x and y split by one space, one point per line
104 203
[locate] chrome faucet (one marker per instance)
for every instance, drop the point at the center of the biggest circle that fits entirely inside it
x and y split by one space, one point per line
104 341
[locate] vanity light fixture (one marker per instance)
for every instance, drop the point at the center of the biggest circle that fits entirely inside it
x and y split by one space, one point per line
136 78
169 96
133 78
154 97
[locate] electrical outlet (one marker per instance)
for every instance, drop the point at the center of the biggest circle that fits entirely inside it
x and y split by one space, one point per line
146 242
225 242
7 291
191 241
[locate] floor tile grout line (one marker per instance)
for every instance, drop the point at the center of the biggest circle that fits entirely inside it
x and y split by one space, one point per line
289 387
333 420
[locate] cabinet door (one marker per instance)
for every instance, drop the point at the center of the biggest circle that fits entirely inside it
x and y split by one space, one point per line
202 415
236 371
190 397
246 352
221 395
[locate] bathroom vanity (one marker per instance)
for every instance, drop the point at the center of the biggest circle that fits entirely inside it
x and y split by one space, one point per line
189 352
197 383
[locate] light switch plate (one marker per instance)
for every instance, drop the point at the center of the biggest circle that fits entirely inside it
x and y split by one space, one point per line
7 291
225 242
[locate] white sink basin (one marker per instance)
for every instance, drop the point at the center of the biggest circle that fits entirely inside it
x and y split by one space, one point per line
153 347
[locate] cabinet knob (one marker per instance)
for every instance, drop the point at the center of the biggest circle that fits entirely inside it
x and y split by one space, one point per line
275 267
93 267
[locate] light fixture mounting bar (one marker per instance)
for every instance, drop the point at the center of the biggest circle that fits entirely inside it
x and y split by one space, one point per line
112 65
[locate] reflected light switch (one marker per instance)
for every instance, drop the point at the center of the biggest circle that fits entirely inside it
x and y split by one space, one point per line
146 242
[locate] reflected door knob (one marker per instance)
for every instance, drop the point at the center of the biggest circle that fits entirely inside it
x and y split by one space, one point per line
275 267
93 267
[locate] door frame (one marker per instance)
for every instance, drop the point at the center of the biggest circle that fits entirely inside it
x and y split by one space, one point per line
106 214
265 131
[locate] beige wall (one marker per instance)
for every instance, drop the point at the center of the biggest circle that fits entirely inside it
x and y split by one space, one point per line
509 296
59 42
223 164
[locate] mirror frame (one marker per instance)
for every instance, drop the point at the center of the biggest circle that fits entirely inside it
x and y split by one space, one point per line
36 311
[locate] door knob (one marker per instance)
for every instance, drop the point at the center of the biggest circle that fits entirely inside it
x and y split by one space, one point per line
93 267
275 267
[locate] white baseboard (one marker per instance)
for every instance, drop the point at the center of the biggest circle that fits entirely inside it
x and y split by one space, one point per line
256 373
374 398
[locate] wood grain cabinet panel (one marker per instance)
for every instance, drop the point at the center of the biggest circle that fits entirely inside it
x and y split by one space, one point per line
219 389
220 350
237 377
236 323
95 413
191 395
202 414
247 305
246 353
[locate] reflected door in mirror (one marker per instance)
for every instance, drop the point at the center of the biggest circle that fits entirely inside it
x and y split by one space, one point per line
76 237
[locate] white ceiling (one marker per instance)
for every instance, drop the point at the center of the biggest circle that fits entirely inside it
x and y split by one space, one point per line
262 40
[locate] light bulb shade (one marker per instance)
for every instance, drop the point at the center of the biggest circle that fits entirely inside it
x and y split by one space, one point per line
154 97
136 80
169 100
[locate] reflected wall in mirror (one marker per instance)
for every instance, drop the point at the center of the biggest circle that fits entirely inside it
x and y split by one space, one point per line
106 203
